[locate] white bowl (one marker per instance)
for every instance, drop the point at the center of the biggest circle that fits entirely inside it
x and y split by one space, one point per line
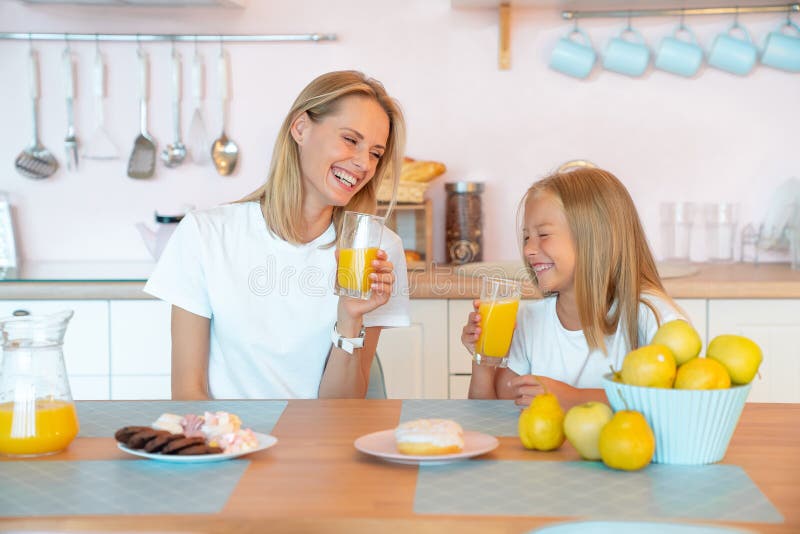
691 426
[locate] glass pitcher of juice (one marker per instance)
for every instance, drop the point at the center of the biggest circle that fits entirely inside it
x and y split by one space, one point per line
37 415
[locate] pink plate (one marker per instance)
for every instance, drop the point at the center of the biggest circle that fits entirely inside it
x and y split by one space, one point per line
382 444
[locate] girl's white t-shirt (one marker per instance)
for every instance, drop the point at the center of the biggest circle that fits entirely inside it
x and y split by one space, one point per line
271 303
542 346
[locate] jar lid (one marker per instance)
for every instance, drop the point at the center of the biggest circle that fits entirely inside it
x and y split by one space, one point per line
464 187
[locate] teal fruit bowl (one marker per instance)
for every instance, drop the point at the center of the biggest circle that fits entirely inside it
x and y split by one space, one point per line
692 427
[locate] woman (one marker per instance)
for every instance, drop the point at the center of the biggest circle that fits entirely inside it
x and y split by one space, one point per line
251 283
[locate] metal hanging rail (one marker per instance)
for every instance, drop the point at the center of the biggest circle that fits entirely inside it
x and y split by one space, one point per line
676 12
145 38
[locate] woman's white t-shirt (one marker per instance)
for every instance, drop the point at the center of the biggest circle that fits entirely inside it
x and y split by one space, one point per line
271 303
542 346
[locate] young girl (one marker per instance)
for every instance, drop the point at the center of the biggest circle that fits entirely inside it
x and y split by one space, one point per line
585 249
251 283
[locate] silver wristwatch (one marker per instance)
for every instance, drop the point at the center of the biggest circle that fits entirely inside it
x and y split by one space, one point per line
348 344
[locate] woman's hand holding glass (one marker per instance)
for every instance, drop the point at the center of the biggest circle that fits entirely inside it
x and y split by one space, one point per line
381 283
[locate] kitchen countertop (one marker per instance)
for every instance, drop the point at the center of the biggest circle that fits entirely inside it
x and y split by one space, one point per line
125 280
314 480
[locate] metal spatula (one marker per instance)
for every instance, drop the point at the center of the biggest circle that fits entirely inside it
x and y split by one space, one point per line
35 161
142 163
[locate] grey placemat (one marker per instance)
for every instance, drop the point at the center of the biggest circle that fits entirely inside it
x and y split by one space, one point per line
495 417
37 488
100 419
591 490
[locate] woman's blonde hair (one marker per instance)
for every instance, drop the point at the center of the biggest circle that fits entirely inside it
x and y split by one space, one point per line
282 194
613 262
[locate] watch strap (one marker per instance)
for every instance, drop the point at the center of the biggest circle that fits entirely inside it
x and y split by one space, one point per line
348 344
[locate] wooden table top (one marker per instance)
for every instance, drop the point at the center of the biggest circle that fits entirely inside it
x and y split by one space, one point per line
314 480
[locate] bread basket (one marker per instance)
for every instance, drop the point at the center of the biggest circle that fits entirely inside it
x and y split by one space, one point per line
415 178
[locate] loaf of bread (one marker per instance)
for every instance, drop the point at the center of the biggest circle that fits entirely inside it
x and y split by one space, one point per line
421 171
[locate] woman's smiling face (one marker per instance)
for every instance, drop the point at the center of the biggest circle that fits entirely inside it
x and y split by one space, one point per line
339 154
548 244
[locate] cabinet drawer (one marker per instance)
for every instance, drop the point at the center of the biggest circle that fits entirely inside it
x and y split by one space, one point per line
140 337
86 340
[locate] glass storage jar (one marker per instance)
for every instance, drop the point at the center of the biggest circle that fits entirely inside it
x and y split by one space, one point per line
464 222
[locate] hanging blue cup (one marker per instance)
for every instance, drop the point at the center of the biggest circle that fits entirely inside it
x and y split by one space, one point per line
679 56
573 57
627 57
737 56
783 51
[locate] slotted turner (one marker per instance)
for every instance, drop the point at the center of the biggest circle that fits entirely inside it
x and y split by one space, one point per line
142 163
198 138
35 161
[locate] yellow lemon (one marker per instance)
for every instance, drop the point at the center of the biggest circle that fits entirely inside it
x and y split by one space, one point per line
541 425
702 373
627 442
681 338
649 366
740 356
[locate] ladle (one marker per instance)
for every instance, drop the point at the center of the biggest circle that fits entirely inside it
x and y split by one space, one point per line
174 153
224 151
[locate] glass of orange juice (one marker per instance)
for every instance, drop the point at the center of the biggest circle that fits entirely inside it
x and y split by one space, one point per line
37 415
498 310
359 241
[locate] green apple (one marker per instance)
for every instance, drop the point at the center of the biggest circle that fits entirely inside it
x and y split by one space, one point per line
583 424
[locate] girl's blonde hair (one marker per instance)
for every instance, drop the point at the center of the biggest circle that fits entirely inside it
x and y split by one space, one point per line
613 262
282 194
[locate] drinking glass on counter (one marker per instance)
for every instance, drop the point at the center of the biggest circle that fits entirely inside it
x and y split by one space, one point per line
37 415
721 222
498 310
359 240
677 219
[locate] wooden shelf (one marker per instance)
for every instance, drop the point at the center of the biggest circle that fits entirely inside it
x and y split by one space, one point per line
414 224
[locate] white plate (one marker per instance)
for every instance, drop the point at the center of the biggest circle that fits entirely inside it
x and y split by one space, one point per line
383 445
265 441
632 527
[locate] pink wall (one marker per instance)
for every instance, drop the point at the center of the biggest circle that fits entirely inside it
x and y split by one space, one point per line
715 138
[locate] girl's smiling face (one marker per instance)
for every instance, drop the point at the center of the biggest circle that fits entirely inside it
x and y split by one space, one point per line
339 153
548 245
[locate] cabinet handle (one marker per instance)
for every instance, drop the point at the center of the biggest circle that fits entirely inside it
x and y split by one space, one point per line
20 313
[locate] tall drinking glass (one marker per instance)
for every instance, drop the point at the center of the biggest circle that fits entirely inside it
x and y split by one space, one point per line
498 310
359 240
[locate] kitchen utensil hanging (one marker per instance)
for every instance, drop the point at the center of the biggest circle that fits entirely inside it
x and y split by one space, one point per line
71 139
100 145
175 152
142 163
224 151
35 161
198 137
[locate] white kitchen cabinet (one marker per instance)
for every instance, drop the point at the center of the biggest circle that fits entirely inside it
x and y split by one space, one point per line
140 337
141 351
414 358
146 387
459 386
85 342
775 325
460 361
